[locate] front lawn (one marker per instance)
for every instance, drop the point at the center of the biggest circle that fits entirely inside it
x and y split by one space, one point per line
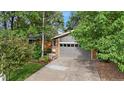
25 72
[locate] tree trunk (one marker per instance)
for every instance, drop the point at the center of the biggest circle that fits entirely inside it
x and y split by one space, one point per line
43 35
4 20
12 22
5 25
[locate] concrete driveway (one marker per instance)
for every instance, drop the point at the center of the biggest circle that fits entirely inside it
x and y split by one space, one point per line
66 69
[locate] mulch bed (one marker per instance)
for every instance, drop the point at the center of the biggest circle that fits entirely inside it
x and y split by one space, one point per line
109 71
42 62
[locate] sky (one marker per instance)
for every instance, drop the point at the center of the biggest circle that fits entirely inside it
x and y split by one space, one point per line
66 15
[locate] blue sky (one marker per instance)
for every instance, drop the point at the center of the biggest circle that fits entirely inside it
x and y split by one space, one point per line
66 15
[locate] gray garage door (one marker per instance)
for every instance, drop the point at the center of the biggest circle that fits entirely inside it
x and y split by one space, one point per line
73 50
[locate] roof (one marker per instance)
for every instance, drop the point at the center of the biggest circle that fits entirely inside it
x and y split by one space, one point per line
63 34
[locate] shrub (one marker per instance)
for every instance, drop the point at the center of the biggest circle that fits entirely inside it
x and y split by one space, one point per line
103 31
37 51
48 50
14 52
45 59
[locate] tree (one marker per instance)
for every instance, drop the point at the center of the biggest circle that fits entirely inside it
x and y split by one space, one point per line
14 52
17 26
74 20
31 21
102 31
51 22
14 34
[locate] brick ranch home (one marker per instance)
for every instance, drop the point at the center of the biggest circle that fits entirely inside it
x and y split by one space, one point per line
64 45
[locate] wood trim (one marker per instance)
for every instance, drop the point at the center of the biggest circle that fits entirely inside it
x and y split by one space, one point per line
58 47
68 42
93 54
63 34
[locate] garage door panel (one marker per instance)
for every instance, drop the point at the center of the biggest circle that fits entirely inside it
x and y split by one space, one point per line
74 52
69 51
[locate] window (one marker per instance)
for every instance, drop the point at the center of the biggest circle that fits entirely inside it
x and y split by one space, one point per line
68 45
54 42
61 45
64 45
72 45
76 45
31 41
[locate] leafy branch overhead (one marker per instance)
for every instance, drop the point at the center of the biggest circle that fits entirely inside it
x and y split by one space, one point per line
31 22
102 31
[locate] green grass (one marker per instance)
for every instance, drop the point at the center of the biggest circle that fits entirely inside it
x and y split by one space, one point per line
25 72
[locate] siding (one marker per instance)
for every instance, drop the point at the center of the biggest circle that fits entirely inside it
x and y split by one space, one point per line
67 38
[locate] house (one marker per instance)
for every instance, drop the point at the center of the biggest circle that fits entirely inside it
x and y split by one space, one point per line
37 39
64 45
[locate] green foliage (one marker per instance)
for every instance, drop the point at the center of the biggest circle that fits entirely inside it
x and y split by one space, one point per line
25 72
14 52
37 51
47 51
17 27
103 31
73 21
32 21
45 59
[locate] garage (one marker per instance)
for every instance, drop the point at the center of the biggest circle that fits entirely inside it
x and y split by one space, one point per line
66 46
73 50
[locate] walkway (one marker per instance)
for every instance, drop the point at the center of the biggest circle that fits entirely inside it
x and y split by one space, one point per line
66 69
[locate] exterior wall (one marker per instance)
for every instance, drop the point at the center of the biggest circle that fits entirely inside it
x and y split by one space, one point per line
67 38
58 40
47 44
55 47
